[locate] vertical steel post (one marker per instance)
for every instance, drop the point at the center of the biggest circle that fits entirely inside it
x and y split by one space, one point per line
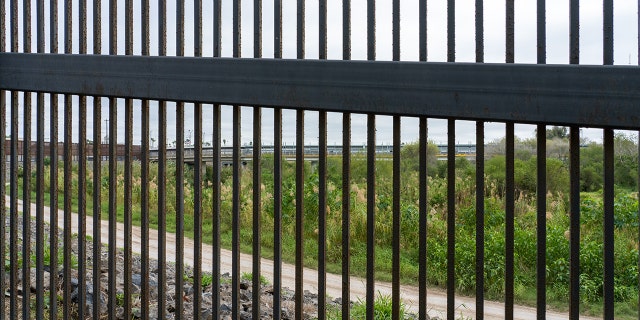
346 216
299 294
422 32
423 209
198 174
53 168
346 30
451 30
198 169
82 172
371 144
574 223
68 155
510 32
608 227
26 169
97 169
3 162
217 132
608 258
451 169
144 201
257 210
371 214
423 146
128 175
40 123
541 203
541 28
179 288
322 174
346 171
509 238
395 269
480 219
237 53
479 29
257 170
217 42
371 29
574 31
322 215
162 169
541 193
451 218
113 167
277 213
574 198
235 212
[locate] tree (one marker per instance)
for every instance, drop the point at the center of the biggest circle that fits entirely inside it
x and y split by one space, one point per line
625 163
525 172
410 154
591 170
524 148
626 160
557 132
558 149
625 145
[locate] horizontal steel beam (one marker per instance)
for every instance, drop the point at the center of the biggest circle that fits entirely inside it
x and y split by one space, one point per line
595 96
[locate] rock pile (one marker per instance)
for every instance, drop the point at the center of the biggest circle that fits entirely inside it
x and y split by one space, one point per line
187 296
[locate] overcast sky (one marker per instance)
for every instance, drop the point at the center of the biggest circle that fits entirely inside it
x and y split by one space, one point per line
625 52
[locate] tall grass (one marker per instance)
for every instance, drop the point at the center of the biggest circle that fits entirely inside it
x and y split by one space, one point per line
626 219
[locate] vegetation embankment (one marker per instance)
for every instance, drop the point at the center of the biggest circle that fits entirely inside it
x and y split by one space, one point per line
557 216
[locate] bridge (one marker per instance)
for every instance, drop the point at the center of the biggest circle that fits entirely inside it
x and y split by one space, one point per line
311 152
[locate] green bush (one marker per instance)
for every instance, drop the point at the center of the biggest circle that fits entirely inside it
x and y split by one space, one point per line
557 215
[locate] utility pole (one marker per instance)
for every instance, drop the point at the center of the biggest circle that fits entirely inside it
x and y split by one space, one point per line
106 129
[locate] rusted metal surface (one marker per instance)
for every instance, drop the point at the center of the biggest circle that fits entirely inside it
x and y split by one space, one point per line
555 94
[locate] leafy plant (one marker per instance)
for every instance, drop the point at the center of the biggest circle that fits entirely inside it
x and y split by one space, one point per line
120 299
382 309
249 277
206 280
557 216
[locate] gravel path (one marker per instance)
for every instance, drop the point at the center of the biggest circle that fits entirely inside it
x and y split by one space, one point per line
409 294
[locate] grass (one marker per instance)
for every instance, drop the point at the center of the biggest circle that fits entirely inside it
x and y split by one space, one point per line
248 276
382 309
207 280
557 224
46 256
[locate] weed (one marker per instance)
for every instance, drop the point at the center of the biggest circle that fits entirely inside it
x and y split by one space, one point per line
626 255
120 299
382 309
249 277
206 280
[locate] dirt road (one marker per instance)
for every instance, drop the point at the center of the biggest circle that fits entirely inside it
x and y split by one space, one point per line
436 299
